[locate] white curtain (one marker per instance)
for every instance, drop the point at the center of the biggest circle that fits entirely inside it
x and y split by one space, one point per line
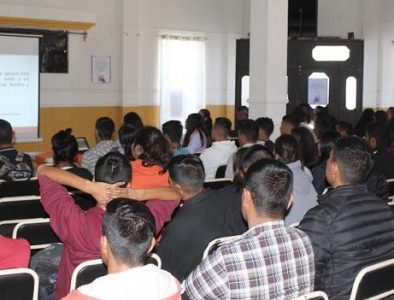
182 78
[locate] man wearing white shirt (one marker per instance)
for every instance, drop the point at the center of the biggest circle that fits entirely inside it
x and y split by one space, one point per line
221 149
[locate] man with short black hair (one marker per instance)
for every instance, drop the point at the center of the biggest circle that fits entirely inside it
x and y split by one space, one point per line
350 228
269 261
204 216
220 151
104 131
289 122
172 131
128 236
13 164
266 128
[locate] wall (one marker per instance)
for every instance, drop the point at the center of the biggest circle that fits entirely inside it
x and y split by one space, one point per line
129 31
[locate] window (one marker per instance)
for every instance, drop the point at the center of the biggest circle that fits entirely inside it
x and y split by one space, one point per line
182 80
331 53
351 93
318 89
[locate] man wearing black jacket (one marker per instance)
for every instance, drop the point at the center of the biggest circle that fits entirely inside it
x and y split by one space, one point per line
350 228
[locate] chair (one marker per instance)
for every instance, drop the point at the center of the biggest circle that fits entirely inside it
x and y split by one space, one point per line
7 227
390 183
37 232
318 295
294 225
20 284
19 188
217 183
88 271
214 244
374 281
221 171
23 207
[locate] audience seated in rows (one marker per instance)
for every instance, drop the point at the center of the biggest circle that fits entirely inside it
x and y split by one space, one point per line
220 151
266 128
13 164
14 253
204 216
305 197
128 236
269 261
65 149
350 228
105 128
248 133
172 131
196 137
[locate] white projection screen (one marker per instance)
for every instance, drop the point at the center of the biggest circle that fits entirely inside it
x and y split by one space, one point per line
20 84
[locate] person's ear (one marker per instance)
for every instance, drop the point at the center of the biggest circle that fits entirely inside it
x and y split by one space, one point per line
152 245
104 248
247 201
373 142
138 150
291 200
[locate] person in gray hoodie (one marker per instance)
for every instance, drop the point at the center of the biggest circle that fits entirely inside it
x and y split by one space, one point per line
287 151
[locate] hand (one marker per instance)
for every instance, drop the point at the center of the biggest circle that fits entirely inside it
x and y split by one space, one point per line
102 191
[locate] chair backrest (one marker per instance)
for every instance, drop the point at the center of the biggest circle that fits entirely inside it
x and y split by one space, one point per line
87 272
37 232
390 183
20 284
217 183
214 244
19 188
374 281
23 207
153 258
294 225
7 227
221 172
318 295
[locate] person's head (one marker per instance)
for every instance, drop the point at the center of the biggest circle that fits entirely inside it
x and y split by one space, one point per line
64 146
253 154
344 128
350 162
112 168
242 113
248 132
303 112
206 115
268 191
266 128
326 144
128 231
307 146
126 138
172 131
221 129
377 135
187 174
6 133
288 124
194 122
105 128
390 113
381 117
286 149
324 123
133 119
151 147
238 172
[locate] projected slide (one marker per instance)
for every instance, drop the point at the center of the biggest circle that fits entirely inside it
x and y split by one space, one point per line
19 84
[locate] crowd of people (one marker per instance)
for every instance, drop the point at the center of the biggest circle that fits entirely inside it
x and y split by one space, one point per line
305 212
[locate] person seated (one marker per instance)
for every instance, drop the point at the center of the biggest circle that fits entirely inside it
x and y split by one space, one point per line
241 114
128 236
204 216
14 253
196 135
269 261
221 149
126 135
303 112
65 149
266 128
344 129
377 136
288 124
172 131
350 228
287 151
131 123
104 131
14 165
307 147
248 133
206 118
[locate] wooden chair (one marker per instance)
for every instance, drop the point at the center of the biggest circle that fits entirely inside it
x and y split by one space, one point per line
18 284
374 282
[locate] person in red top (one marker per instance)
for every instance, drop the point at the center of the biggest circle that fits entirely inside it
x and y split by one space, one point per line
14 253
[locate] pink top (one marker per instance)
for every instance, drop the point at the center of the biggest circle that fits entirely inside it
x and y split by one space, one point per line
14 253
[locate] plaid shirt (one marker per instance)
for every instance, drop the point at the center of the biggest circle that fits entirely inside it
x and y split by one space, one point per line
270 261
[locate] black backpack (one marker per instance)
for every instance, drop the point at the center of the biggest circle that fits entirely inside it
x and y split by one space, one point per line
17 169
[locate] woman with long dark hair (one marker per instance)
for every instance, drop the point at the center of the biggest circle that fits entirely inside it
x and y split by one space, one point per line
196 136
